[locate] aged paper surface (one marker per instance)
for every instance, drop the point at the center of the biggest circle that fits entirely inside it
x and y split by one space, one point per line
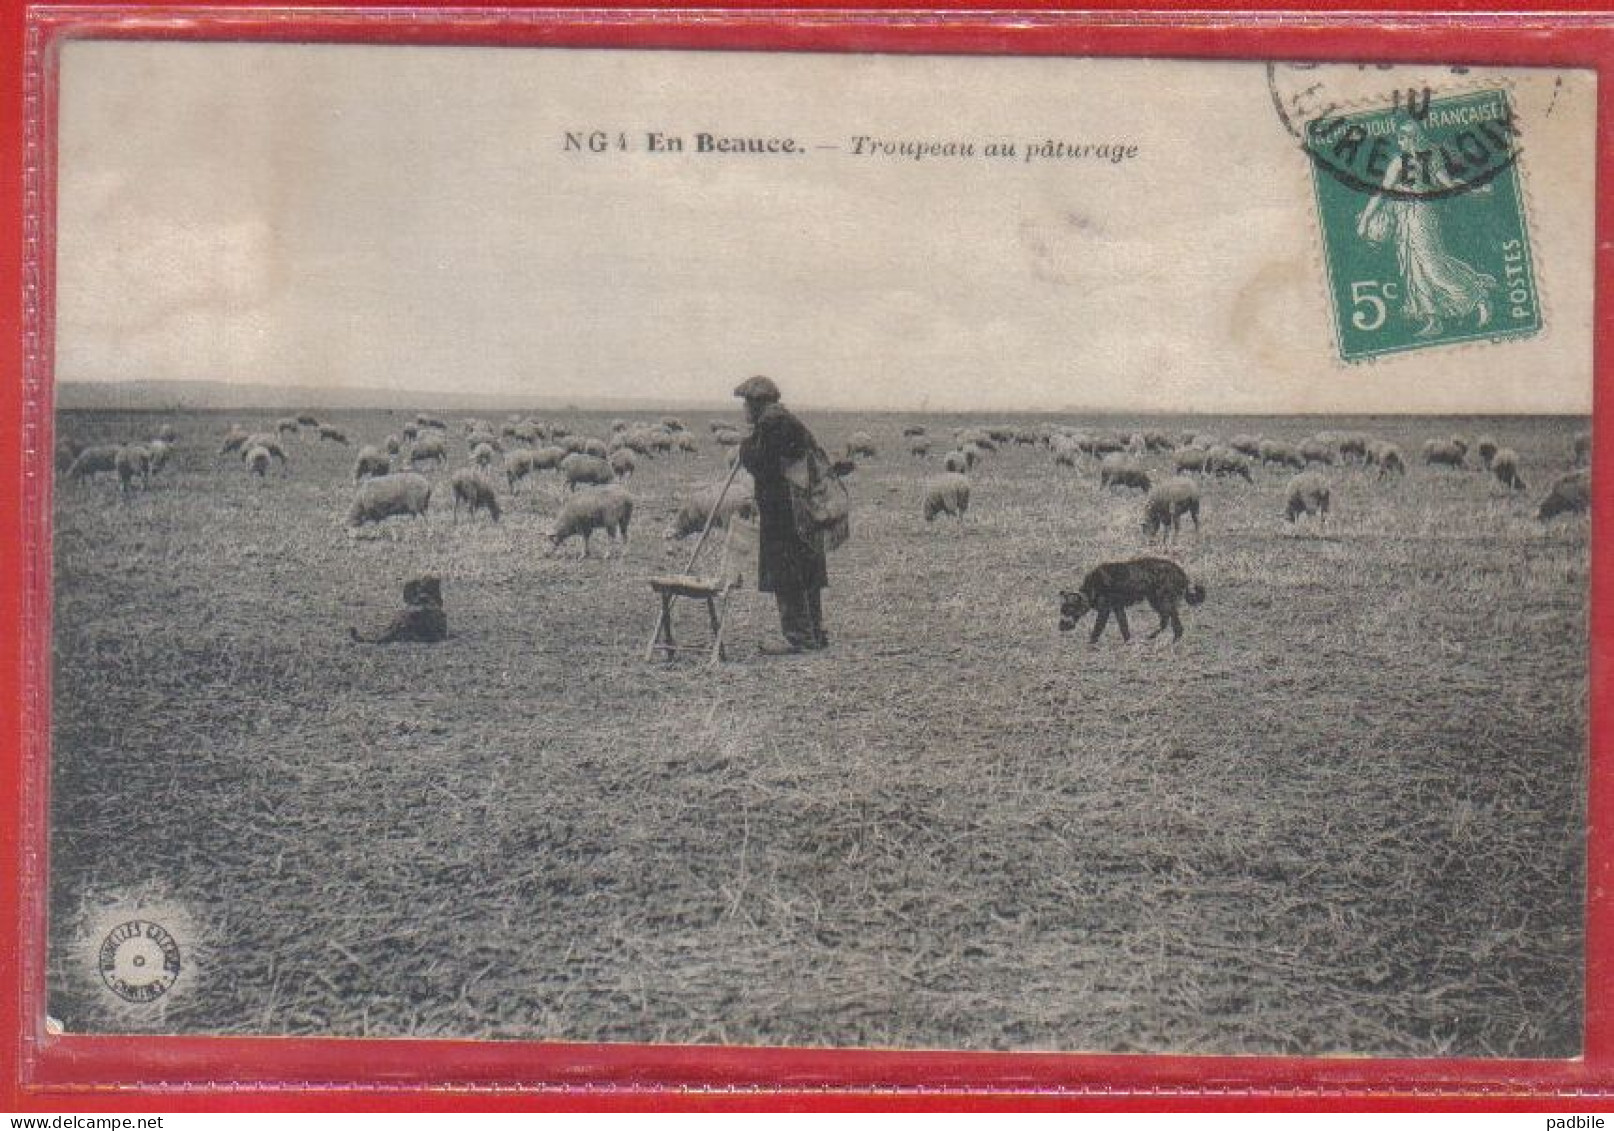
1052 316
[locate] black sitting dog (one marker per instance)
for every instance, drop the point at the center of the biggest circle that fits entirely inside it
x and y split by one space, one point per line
422 620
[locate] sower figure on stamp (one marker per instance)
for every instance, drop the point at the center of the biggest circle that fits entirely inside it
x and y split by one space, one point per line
789 566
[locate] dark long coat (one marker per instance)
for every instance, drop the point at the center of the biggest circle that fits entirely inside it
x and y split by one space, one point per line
786 561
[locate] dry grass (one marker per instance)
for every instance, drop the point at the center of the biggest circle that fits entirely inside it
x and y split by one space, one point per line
1345 814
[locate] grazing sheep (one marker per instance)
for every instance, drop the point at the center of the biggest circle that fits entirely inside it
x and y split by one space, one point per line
1583 448
913 430
1315 450
234 440
333 434
1487 449
410 433
308 420
685 442
623 463
286 426
1120 471
947 494
1154 440
1308 494
1447 453
580 469
161 452
1571 494
372 462
1505 466
518 466
919 446
472 489
1353 447
597 449
393 445
691 517
482 455
401 493
1281 453
430 422
480 436
1167 503
257 460
133 460
861 444
548 458
1109 589
957 461
430 448
526 432
728 438
975 453
673 424
1225 462
1191 459
422 621
1246 445
270 443
1386 457
595 508
167 434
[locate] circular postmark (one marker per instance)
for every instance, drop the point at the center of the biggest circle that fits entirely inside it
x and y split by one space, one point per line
1413 144
139 960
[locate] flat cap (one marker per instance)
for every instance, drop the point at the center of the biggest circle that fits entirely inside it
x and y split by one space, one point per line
758 389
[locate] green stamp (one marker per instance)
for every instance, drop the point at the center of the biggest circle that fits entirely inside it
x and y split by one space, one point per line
1423 224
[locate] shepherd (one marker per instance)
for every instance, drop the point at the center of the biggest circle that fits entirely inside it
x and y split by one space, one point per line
783 458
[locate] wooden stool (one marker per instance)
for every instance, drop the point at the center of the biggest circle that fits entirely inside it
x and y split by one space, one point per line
714 592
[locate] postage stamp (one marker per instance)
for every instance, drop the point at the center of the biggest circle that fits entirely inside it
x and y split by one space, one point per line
1423 223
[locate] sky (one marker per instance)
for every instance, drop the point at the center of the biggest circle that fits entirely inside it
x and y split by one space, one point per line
412 218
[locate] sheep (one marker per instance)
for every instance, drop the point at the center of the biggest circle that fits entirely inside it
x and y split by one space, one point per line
1120 471
161 451
1167 503
286 426
1316 450
371 462
861 444
1191 459
410 433
947 494
480 436
1246 445
472 489
585 469
521 464
526 433
234 440
1308 494
1505 466
919 446
257 460
1225 462
308 420
92 461
975 453
393 445
606 508
482 455
1154 440
1281 453
1444 452
1570 494
1353 447
401 493
270 443
1386 457
685 442
548 458
1487 449
430 448
333 434
133 460
673 424
957 460
1582 448
598 450
691 518
623 463
729 438
167 434
430 422
910 430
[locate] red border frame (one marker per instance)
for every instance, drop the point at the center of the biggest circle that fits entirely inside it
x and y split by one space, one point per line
46 1073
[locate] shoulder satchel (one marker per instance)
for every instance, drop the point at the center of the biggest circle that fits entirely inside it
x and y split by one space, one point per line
819 500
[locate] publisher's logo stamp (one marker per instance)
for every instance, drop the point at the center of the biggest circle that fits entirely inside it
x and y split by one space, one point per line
139 960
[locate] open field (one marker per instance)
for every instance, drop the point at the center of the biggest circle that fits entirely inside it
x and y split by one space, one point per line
1344 814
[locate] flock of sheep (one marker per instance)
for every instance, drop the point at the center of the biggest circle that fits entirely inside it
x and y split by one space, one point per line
389 480
1119 457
